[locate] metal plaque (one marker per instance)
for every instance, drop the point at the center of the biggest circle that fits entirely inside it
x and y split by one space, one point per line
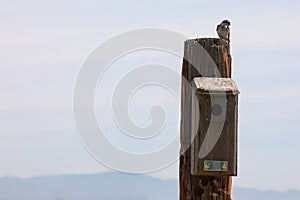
217 166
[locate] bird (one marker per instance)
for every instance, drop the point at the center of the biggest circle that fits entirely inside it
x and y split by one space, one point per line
223 30
224 166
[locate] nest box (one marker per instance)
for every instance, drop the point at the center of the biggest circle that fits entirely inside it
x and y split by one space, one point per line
214 127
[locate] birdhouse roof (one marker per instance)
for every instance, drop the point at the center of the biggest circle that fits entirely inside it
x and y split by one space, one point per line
215 85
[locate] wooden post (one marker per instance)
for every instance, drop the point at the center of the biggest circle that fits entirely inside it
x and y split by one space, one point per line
197 64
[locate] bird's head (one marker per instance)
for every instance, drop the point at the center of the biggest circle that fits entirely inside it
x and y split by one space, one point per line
226 22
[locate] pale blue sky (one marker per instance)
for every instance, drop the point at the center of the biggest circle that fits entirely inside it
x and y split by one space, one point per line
44 43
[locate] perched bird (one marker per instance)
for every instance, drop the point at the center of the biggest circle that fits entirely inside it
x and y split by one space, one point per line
223 30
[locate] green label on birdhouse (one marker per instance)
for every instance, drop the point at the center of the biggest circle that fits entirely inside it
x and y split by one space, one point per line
216 166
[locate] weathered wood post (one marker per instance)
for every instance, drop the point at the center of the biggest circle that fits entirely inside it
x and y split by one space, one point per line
198 63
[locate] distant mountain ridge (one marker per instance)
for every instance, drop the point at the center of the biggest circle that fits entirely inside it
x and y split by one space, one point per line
254 194
111 186
104 186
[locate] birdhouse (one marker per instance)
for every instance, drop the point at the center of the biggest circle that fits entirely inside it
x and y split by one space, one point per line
214 127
